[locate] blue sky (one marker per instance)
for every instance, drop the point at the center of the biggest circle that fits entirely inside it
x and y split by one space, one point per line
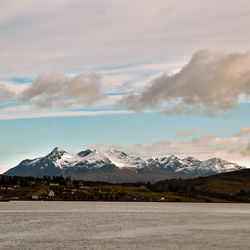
28 138
151 78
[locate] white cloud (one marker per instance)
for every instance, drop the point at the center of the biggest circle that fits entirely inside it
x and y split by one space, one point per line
243 132
158 67
26 112
59 90
5 92
213 80
246 152
187 132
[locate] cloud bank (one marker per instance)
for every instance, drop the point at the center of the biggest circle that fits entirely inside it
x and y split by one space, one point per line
212 81
204 147
59 90
113 32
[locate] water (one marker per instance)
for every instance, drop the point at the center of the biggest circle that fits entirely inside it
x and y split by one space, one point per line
123 225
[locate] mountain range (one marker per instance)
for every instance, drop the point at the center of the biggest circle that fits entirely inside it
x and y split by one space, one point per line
116 167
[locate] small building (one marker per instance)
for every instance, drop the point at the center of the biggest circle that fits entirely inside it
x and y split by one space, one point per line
162 199
51 193
85 187
14 198
5 187
54 184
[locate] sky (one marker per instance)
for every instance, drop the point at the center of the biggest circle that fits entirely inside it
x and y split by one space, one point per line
149 77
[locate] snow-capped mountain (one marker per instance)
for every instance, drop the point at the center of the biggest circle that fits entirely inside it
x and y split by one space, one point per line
195 167
87 158
211 166
172 162
92 159
117 166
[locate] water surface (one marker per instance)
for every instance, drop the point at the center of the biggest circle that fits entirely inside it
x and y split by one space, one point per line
123 225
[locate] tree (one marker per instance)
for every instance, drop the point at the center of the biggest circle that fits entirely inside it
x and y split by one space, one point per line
111 198
106 197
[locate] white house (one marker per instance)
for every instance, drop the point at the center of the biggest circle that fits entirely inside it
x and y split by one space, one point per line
51 193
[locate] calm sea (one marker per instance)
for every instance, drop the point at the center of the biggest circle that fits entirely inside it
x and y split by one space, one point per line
106 225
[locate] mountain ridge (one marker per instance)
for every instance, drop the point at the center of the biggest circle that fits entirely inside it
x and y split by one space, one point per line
117 166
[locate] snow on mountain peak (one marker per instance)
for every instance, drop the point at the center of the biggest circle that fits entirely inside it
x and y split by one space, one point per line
193 166
55 154
96 156
67 160
121 159
57 150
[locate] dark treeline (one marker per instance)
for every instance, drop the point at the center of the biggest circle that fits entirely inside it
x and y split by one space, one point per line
61 180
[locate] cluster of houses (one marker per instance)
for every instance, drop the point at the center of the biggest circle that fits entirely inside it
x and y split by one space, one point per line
46 195
69 190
